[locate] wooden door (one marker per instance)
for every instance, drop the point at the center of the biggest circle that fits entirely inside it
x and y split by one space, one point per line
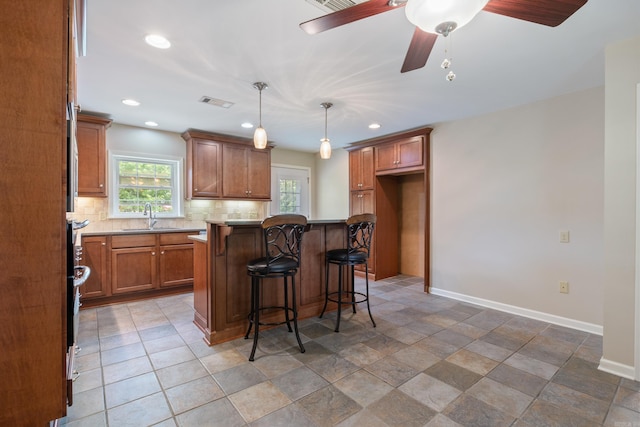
361 169
133 269
205 173
259 174
91 141
234 171
409 152
176 265
201 296
385 157
94 256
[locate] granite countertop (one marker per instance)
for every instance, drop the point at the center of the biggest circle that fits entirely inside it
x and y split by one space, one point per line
145 231
252 222
198 238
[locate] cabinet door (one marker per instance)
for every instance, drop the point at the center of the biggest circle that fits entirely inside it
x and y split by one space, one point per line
234 171
91 140
361 172
409 152
201 292
385 157
362 202
176 265
94 256
133 269
205 173
259 174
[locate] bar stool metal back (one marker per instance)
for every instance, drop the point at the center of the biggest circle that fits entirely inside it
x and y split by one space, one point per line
356 252
283 240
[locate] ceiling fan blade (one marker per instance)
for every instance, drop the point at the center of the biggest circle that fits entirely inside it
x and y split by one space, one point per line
419 50
546 12
346 16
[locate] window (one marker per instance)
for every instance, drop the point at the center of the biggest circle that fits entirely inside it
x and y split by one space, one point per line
289 191
137 181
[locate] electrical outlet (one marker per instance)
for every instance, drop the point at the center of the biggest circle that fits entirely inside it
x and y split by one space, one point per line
564 287
189 216
103 216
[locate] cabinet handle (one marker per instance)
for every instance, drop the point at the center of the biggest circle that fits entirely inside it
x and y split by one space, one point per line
104 244
153 253
195 189
162 253
360 196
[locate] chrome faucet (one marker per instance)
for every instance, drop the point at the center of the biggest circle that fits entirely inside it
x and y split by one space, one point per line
152 217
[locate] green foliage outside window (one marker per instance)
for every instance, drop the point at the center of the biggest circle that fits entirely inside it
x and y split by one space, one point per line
144 182
289 196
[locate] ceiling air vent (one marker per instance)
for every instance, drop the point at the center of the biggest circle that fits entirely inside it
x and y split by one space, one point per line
216 102
334 5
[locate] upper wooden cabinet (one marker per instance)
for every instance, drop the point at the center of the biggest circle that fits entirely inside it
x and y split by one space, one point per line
220 166
204 167
404 154
246 173
91 138
361 173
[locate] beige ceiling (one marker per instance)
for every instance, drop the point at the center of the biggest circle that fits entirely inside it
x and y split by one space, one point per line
219 48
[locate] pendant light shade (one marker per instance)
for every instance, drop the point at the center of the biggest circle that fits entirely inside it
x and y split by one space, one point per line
260 135
325 149
325 146
448 15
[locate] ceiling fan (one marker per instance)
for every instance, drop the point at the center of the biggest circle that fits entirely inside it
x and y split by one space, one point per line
429 24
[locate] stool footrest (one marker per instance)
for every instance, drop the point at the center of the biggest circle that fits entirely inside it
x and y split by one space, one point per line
332 297
284 322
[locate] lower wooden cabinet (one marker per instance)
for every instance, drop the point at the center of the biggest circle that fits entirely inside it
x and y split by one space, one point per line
94 254
136 265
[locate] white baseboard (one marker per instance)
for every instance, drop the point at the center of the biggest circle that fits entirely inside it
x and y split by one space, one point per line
618 369
525 312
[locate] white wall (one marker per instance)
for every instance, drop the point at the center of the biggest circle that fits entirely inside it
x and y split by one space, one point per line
332 177
622 75
503 186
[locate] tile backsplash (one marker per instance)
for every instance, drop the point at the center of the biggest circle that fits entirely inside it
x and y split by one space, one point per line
96 210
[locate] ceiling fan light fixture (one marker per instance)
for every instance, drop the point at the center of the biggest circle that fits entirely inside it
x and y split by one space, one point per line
260 135
428 15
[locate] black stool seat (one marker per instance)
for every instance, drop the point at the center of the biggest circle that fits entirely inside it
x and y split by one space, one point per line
356 252
283 241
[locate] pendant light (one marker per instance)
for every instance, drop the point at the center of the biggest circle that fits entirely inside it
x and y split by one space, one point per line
260 135
325 147
442 16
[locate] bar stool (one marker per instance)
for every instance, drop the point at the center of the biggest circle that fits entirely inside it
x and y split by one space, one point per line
282 239
359 233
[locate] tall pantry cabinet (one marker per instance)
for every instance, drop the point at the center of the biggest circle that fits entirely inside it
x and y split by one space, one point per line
389 176
33 82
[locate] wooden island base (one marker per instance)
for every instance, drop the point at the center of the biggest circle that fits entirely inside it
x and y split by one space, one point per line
221 286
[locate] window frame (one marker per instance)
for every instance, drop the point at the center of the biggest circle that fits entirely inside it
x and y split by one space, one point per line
177 198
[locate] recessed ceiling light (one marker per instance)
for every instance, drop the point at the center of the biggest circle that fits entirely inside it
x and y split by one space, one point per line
158 41
130 102
150 123
247 125
374 126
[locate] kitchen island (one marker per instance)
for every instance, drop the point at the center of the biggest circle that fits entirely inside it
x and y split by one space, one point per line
221 286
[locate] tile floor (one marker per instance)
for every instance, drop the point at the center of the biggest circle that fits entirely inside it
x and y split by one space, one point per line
431 361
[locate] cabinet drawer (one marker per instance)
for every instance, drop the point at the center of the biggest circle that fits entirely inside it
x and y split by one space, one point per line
133 241
175 238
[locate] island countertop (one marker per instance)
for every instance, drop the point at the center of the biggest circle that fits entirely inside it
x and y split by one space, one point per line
222 287
253 222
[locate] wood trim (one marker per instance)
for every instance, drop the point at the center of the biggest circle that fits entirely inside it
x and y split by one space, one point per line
425 131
